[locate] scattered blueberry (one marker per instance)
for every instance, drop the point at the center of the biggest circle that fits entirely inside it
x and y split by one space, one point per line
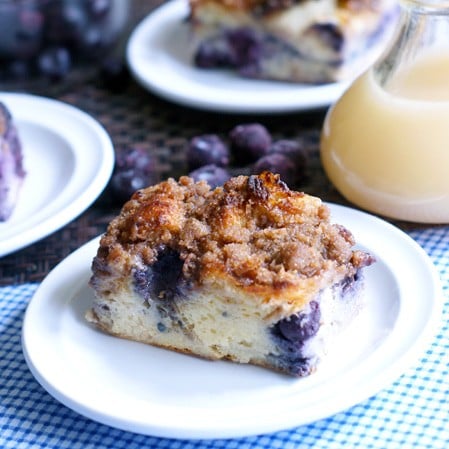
125 182
291 148
135 157
205 150
215 176
250 141
278 164
91 42
114 74
98 8
135 168
54 62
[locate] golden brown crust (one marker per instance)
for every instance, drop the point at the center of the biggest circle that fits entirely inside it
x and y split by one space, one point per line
254 233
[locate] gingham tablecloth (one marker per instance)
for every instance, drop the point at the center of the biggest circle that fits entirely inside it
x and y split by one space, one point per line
413 412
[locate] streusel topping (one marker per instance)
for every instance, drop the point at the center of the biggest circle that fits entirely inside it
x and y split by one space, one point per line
253 230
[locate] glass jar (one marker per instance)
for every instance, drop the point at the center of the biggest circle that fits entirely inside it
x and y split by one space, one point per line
49 39
385 143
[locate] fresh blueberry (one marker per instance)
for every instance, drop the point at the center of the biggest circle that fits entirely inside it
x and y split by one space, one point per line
54 63
134 157
135 168
294 151
91 43
278 164
125 182
98 8
205 150
114 74
290 148
215 176
250 141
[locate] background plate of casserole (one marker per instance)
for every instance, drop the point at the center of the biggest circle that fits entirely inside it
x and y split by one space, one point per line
153 391
159 58
68 158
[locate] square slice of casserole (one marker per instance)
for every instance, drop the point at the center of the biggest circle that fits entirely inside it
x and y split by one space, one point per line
251 272
310 41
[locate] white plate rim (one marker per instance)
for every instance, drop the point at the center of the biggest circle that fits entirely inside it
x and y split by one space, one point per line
85 186
402 349
178 81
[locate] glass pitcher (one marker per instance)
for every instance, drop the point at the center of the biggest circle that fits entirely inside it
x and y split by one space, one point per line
385 142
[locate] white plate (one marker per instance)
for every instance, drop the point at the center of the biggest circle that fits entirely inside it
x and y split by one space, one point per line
159 58
68 157
148 390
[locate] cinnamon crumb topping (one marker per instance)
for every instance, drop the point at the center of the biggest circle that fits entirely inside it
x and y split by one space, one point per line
253 230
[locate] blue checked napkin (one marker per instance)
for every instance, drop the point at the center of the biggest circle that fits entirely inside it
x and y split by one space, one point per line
413 412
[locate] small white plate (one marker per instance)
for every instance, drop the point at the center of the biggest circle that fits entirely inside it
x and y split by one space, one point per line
149 390
68 157
159 58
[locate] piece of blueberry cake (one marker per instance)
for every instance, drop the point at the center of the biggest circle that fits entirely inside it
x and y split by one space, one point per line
311 41
12 172
250 272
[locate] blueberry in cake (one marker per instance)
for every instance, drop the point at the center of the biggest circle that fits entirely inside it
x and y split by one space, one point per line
12 172
312 41
251 272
